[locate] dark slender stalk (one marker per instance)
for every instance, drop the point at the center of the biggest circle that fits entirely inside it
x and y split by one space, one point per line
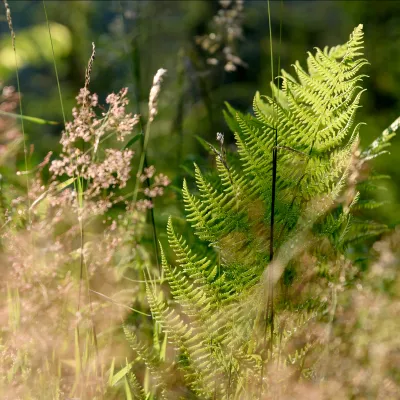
269 317
270 305
273 195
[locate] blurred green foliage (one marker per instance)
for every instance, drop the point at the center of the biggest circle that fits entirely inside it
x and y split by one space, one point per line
34 49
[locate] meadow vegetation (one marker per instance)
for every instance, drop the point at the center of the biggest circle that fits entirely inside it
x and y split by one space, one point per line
272 279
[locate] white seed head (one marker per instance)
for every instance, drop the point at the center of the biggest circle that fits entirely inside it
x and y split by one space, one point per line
154 93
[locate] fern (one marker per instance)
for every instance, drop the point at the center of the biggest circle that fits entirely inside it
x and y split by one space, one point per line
217 317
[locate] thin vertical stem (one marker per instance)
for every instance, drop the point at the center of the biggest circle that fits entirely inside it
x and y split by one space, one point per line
269 317
276 132
12 33
55 64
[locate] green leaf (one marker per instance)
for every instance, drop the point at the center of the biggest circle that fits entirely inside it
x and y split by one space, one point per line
35 120
120 374
127 389
133 140
111 372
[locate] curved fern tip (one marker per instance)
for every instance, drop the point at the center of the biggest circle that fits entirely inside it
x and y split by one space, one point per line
197 169
163 258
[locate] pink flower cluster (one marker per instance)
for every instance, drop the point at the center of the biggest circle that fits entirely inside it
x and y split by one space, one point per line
113 171
160 181
111 168
87 126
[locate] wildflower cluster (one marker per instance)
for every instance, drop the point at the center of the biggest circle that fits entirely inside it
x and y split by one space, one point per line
221 43
50 259
153 190
80 141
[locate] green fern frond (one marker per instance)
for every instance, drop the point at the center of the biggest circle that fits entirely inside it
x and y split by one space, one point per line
300 148
151 360
312 115
136 387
